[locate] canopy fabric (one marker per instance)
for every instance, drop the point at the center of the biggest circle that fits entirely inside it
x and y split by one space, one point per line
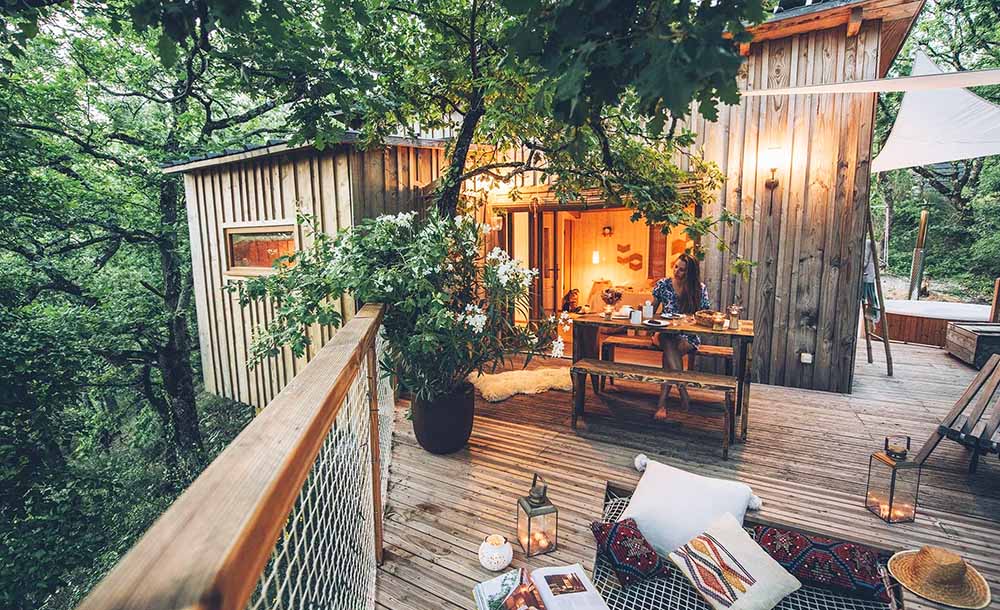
935 126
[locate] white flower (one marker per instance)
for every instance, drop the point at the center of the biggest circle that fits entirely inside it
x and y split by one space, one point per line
552 318
558 348
485 229
474 318
403 219
496 254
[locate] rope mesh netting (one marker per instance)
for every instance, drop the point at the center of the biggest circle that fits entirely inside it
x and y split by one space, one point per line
673 591
325 557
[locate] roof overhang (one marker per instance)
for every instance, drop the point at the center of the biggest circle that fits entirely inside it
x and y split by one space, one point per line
897 18
274 148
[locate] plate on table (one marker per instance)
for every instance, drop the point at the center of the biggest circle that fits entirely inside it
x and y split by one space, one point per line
671 316
654 322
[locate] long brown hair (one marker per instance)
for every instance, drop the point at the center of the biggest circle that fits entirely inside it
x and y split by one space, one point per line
689 295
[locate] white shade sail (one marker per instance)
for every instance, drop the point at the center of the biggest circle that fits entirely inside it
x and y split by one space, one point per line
938 125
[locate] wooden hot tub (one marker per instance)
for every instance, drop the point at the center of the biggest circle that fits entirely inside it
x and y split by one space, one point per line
926 322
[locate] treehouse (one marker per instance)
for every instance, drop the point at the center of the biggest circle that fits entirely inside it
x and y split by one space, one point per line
326 499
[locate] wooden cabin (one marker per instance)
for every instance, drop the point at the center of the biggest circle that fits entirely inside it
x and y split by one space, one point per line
805 235
242 216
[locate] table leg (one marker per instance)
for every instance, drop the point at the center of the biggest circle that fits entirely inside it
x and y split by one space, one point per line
746 391
585 346
579 389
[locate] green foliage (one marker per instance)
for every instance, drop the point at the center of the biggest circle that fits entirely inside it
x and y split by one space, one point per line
665 53
963 197
448 308
95 298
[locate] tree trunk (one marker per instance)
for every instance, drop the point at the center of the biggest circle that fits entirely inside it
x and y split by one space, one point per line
174 355
452 188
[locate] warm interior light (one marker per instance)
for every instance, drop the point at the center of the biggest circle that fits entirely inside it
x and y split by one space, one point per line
596 257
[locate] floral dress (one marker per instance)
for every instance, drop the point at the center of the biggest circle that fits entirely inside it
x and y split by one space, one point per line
664 293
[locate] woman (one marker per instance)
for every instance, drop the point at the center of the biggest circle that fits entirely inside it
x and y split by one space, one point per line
681 294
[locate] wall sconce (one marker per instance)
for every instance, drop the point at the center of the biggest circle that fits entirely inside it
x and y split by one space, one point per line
596 257
607 231
770 160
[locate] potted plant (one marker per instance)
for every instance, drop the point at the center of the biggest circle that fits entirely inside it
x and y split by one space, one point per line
448 309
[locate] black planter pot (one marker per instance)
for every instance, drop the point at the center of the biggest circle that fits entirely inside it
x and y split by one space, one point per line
444 424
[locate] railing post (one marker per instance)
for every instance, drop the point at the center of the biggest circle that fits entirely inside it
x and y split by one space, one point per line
995 309
376 449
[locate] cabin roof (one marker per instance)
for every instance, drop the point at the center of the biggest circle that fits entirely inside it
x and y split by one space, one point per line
273 147
797 17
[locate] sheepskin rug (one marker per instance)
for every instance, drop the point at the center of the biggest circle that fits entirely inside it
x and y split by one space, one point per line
502 386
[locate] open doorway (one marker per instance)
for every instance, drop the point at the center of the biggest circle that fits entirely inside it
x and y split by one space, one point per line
587 250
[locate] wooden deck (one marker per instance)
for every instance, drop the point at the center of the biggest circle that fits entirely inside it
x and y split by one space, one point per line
806 456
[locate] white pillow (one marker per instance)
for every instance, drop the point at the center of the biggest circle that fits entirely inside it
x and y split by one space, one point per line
672 506
730 571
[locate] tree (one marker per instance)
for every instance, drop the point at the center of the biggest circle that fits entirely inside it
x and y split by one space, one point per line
960 35
961 195
98 125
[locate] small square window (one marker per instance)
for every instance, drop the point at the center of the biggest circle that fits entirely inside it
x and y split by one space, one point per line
255 249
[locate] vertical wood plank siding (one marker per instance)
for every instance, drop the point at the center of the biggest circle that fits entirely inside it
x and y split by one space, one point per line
335 187
807 235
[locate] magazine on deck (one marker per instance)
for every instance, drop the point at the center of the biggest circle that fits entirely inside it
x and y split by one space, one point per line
559 588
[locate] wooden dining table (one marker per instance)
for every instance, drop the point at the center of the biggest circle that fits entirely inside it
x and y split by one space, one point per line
586 328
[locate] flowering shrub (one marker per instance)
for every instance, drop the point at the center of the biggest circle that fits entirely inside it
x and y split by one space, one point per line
448 308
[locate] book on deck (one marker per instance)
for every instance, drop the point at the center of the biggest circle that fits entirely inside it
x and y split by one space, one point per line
557 588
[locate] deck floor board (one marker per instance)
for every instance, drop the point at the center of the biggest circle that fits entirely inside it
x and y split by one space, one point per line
806 456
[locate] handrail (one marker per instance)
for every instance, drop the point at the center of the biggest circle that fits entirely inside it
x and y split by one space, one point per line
209 548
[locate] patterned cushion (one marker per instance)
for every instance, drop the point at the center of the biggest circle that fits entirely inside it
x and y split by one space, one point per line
825 562
730 571
625 549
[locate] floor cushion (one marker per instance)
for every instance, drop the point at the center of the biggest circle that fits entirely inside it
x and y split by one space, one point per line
671 506
623 546
731 571
825 562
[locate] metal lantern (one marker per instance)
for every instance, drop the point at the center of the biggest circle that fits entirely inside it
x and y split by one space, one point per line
537 520
893 483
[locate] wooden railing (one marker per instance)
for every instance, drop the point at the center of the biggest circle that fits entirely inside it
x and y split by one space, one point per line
278 516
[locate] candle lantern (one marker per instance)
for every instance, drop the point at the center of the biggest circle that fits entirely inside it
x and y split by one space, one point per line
537 520
893 482
897 446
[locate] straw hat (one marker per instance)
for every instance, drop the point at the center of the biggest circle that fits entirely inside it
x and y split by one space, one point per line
940 576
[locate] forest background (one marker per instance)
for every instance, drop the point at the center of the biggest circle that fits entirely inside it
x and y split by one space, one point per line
102 422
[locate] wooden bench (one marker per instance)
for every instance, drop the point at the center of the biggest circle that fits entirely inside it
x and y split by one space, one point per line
646 374
979 428
646 343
